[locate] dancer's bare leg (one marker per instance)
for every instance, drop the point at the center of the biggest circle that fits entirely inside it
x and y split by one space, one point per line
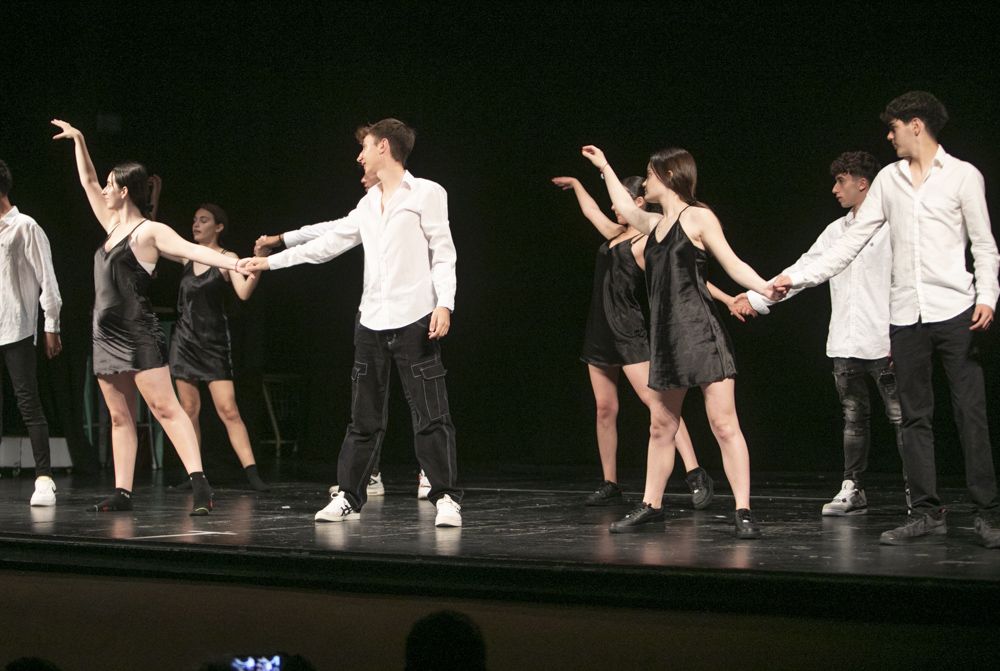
605 384
720 405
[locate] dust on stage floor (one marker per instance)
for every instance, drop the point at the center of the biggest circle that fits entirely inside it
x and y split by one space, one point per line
525 539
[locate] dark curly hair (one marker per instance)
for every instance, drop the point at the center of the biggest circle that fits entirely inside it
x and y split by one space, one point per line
856 164
6 179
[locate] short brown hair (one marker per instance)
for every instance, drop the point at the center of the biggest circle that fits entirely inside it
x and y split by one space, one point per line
400 136
917 105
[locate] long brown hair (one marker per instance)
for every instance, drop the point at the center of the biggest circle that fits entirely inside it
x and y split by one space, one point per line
675 167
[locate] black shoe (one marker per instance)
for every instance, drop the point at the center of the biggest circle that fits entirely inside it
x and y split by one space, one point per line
642 514
608 494
702 487
919 528
988 530
745 524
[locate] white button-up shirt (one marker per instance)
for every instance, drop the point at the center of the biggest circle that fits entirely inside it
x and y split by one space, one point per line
26 279
409 254
930 228
859 295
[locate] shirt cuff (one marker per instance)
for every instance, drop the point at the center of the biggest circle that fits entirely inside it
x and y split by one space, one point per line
292 238
52 324
987 298
798 278
758 303
278 261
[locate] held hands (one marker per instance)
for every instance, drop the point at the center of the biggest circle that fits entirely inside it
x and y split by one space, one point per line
740 307
982 318
440 323
778 288
595 156
53 345
565 183
250 265
67 132
266 244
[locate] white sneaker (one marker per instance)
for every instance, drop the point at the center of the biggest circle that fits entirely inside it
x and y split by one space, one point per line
423 486
337 510
449 513
849 501
375 486
45 492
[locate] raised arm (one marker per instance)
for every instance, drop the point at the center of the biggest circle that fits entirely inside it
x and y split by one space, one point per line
88 175
620 197
591 210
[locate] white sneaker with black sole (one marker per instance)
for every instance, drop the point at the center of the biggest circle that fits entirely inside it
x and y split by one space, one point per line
338 510
375 486
849 501
449 513
45 492
423 487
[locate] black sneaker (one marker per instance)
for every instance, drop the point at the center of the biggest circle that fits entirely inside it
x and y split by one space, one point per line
608 494
988 530
919 528
745 524
702 487
641 515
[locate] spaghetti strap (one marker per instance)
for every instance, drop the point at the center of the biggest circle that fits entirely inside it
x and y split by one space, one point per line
682 212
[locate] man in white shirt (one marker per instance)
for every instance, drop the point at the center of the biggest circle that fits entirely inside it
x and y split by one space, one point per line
406 305
858 340
935 206
27 279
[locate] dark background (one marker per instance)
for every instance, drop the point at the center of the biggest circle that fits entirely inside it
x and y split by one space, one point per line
253 106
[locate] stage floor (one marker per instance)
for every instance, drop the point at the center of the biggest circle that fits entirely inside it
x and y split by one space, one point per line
523 539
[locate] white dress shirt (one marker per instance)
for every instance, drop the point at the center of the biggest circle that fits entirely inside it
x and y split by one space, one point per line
25 270
409 254
929 228
859 295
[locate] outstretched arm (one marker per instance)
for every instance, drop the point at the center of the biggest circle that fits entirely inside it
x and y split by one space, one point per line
620 197
88 174
173 246
591 210
709 230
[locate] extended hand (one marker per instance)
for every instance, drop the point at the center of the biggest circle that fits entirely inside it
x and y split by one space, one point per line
778 287
565 183
53 345
982 318
266 244
440 323
253 265
740 307
595 156
67 132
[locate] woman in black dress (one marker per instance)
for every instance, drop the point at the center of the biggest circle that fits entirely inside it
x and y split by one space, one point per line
617 340
688 345
200 347
129 346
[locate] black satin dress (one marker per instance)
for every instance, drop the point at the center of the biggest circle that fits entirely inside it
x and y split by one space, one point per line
199 347
127 334
616 333
688 344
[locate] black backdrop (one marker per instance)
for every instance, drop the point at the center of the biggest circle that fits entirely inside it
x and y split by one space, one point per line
253 106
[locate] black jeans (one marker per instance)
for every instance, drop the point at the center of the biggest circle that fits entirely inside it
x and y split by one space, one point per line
851 376
19 360
418 361
913 349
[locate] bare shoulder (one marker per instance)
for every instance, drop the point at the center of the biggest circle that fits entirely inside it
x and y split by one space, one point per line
230 254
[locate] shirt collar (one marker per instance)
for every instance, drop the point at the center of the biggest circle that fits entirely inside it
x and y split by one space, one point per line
9 217
408 180
849 218
941 160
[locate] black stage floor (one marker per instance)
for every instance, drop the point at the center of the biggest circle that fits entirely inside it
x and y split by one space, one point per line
524 539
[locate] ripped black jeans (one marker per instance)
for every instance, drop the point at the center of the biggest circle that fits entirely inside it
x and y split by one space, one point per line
851 376
418 361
